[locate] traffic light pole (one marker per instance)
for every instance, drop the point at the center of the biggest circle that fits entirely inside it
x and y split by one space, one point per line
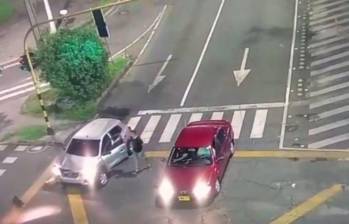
35 78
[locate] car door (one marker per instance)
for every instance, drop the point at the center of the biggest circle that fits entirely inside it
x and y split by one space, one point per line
107 147
119 151
221 150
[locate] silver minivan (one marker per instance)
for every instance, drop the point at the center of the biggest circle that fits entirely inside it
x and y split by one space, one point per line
93 151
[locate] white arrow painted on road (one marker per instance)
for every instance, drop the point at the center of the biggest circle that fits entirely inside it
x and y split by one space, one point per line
159 77
241 74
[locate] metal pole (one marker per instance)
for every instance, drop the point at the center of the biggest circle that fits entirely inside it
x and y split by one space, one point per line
32 19
49 16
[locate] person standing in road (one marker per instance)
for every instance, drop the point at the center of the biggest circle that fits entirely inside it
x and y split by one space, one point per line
136 151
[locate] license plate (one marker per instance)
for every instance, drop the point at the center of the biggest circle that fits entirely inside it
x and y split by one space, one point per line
184 198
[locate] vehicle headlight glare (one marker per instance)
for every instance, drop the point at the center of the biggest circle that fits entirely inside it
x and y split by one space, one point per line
55 170
166 191
89 172
201 190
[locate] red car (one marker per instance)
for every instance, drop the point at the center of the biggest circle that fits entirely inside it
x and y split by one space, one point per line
196 164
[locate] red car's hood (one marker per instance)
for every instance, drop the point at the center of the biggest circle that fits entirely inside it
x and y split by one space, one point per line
185 178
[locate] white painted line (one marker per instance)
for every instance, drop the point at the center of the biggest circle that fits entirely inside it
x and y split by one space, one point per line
195 117
330 68
289 77
329 89
316 15
21 148
333 112
318 2
331 58
2 171
217 116
9 61
321 43
328 127
318 21
328 100
259 124
326 5
5 97
150 128
159 77
329 141
237 121
3 147
329 49
16 88
11 65
170 128
132 123
37 148
333 77
329 25
202 54
9 160
212 109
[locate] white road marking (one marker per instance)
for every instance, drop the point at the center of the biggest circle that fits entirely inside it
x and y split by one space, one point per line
213 108
9 61
329 49
159 77
2 171
333 112
217 116
150 128
319 2
329 25
202 53
9 160
317 15
329 141
324 6
328 127
195 117
329 89
3 147
326 42
289 77
132 123
337 15
329 100
11 65
331 32
21 148
259 124
37 148
241 74
16 88
237 121
330 58
7 96
170 128
333 77
330 68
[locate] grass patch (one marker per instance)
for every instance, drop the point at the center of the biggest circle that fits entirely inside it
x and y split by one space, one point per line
32 105
30 133
7 136
6 10
80 112
117 67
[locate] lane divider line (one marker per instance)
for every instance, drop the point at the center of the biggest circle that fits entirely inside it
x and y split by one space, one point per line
77 207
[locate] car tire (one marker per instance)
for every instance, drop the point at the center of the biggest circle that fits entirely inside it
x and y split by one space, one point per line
102 179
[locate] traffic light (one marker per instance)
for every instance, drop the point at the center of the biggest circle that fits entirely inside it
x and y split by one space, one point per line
100 23
25 63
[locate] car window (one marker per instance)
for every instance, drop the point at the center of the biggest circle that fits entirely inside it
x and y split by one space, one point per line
106 144
219 140
82 147
115 132
201 156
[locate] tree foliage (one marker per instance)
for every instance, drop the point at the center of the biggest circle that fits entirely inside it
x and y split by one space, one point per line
75 63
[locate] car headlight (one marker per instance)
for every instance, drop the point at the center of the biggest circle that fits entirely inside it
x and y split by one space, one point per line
166 191
89 171
201 190
56 170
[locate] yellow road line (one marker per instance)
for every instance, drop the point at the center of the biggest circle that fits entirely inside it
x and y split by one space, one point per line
77 207
308 205
276 153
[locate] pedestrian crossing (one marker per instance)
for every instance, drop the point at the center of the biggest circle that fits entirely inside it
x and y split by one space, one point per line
164 128
329 88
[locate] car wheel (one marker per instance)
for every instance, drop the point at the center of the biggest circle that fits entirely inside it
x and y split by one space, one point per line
217 186
102 179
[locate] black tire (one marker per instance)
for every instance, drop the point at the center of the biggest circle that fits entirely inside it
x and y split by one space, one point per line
102 179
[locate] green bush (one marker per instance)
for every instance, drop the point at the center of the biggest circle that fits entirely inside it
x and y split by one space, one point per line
29 133
75 63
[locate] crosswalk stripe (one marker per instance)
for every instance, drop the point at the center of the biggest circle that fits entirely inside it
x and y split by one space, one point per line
195 117
331 58
330 68
319 21
329 89
329 100
333 77
328 127
217 116
170 128
15 88
319 43
2 171
150 128
330 25
329 49
9 160
237 122
333 112
20 148
317 15
326 5
259 124
3 147
133 122
319 2
329 141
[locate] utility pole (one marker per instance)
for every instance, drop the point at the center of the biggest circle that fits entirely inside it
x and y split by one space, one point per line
50 17
32 19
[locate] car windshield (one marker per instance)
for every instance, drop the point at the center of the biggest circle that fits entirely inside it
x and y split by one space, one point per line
201 156
88 148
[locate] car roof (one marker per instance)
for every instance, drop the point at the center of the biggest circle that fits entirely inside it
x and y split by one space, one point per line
196 136
96 129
